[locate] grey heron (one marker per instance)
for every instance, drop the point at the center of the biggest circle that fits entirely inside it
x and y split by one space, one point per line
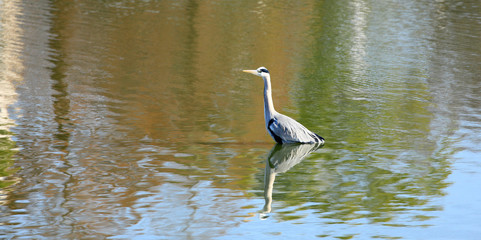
282 128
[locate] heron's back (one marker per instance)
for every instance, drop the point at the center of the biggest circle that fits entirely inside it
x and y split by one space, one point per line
287 130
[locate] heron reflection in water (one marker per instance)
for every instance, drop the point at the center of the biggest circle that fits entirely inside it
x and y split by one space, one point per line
281 158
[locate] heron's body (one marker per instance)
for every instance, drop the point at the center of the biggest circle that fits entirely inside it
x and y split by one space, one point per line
282 128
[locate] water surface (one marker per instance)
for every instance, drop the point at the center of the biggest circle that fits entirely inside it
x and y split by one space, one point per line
133 120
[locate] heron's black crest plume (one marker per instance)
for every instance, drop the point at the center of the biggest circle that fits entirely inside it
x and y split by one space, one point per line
263 69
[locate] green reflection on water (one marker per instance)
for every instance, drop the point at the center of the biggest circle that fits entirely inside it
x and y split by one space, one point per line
7 153
381 158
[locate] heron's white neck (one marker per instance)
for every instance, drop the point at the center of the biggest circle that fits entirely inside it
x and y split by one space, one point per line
268 104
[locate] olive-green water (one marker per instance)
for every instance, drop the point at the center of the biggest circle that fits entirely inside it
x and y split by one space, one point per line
133 120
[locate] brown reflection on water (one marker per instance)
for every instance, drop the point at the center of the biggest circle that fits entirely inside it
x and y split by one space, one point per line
170 73
107 93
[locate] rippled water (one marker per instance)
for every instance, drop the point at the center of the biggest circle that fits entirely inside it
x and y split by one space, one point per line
133 120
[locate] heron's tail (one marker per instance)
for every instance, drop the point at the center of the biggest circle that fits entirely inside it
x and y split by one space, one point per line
320 139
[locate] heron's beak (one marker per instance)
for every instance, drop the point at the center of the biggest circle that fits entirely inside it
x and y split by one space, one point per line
250 71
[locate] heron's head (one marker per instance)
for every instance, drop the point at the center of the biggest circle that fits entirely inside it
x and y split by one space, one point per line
261 72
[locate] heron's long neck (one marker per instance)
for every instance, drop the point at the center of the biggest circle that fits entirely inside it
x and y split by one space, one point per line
268 104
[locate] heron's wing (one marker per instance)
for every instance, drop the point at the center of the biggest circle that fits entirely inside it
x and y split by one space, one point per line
289 130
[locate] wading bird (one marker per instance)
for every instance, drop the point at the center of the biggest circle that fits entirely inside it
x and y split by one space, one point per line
281 127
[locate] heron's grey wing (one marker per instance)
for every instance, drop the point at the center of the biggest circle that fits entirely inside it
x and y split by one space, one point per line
289 130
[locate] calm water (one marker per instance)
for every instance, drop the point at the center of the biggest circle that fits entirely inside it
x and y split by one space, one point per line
133 120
